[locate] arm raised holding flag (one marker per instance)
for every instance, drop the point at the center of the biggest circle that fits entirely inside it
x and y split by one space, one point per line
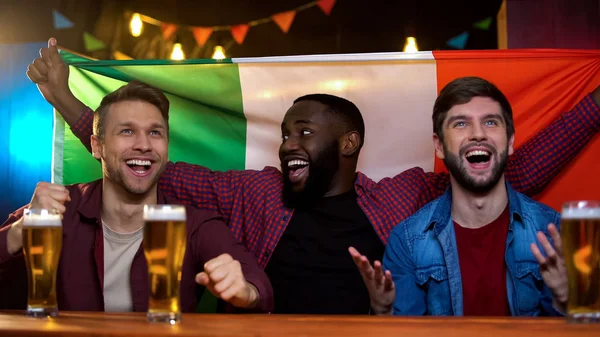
529 170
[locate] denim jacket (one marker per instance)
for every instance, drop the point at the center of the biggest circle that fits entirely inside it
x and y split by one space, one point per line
423 258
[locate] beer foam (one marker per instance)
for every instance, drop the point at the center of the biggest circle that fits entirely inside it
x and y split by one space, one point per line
578 213
43 219
165 213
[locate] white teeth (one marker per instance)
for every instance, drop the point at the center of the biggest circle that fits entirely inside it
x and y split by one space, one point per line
139 162
297 162
477 153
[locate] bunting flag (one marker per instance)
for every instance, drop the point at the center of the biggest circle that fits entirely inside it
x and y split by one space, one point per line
168 29
239 33
326 5
201 34
117 55
483 24
284 20
231 119
92 43
61 21
459 41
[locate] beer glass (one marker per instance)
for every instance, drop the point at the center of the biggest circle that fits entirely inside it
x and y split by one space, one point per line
164 247
580 234
42 244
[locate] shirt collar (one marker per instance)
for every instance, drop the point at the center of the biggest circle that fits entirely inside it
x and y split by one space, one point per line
90 204
363 184
442 213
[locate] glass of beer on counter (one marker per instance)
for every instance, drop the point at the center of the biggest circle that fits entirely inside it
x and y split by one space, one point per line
164 243
580 234
42 244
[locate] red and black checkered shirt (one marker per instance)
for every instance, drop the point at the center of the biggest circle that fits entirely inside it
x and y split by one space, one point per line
251 201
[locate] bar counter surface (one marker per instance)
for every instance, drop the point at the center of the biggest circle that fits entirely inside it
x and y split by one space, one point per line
15 323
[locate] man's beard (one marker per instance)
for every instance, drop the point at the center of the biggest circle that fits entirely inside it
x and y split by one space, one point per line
457 169
321 171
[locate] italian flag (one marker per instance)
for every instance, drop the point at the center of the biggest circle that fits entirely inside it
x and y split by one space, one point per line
227 114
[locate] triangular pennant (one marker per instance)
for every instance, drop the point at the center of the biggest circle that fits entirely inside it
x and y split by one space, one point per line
121 56
483 24
92 43
326 5
459 41
168 29
239 32
284 20
61 21
201 34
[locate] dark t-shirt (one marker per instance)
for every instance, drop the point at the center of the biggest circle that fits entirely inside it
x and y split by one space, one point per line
311 270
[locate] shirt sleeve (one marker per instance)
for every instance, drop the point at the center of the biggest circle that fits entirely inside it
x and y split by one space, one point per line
12 218
410 299
13 272
204 188
534 164
212 239
84 128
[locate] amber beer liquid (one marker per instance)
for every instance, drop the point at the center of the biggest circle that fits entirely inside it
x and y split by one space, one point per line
164 246
580 234
42 244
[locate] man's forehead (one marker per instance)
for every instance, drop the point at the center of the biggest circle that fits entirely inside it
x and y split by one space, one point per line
134 112
312 111
478 106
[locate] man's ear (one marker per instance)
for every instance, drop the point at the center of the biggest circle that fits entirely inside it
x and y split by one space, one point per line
439 147
96 147
350 143
511 143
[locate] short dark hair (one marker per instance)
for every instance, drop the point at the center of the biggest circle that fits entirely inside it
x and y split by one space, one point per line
347 112
461 91
132 91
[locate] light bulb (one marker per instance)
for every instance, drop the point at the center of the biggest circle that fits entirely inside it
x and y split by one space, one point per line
219 53
177 53
136 25
410 46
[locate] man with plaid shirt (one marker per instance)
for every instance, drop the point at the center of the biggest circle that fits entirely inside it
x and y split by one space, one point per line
300 222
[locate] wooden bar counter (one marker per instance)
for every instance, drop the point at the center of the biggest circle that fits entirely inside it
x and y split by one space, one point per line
15 323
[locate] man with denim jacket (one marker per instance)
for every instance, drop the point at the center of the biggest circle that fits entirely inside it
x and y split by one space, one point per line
472 251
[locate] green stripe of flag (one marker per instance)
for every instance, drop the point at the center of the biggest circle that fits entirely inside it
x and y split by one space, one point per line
207 122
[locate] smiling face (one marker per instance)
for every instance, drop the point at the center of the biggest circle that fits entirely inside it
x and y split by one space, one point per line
134 146
309 152
474 144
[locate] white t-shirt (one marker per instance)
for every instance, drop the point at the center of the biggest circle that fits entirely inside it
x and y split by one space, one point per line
119 250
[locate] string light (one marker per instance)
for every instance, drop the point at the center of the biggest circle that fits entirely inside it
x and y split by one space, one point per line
219 53
410 46
177 53
136 25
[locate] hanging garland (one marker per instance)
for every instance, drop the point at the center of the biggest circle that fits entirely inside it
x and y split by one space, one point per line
202 34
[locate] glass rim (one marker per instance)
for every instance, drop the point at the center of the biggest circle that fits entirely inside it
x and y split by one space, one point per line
581 204
49 211
42 217
164 212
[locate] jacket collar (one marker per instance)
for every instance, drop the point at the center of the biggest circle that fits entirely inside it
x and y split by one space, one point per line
442 211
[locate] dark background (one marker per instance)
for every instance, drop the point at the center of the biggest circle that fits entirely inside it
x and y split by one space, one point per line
353 26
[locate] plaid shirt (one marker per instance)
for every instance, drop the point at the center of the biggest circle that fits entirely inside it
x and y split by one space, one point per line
251 201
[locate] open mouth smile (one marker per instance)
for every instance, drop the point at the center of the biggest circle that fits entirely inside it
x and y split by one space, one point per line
478 159
298 170
140 167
